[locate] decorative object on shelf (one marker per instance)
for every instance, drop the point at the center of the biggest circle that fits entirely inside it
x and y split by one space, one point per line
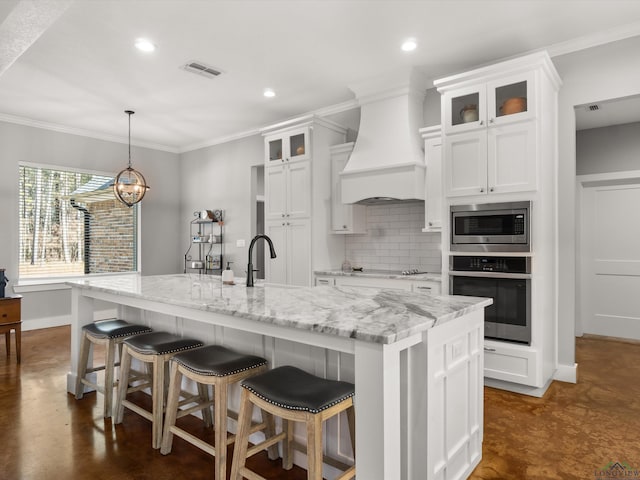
513 105
213 215
300 150
129 185
469 113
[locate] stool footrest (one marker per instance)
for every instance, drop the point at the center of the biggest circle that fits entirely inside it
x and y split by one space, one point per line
139 410
192 439
266 444
333 462
196 408
97 387
246 473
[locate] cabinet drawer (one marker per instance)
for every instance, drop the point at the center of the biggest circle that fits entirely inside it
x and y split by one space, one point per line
325 281
9 311
430 288
510 363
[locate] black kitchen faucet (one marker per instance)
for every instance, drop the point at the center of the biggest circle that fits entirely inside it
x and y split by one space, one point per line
250 265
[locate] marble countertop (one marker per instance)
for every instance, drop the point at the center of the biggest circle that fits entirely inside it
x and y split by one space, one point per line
371 273
368 314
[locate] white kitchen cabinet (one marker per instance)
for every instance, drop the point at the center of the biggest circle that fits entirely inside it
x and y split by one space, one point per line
287 188
498 99
288 146
297 188
433 178
345 218
512 363
355 281
325 281
292 265
426 287
429 287
491 128
509 155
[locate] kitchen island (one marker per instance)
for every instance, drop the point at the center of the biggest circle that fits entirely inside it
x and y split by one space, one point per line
416 360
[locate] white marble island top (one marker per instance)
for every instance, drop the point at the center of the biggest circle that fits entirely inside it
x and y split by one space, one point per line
373 315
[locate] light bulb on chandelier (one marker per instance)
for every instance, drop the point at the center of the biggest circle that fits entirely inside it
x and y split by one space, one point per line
130 186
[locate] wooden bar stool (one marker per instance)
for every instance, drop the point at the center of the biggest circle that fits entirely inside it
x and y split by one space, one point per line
156 349
108 333
220 367
295 396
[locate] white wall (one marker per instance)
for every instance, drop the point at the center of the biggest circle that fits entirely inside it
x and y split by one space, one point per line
601 73
608 149
220 177
159 213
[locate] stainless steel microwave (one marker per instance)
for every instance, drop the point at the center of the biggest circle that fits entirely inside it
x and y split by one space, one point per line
491 227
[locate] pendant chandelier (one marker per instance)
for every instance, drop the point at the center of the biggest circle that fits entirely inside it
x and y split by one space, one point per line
130 186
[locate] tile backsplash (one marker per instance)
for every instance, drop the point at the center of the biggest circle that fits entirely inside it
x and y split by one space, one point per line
395 241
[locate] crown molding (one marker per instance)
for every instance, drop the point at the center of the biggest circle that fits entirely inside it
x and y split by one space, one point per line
321 112
594 40
83 133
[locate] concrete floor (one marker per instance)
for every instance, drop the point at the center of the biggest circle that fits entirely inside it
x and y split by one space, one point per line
573 432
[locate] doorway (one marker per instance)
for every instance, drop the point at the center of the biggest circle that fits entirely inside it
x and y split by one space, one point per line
609 236
257 216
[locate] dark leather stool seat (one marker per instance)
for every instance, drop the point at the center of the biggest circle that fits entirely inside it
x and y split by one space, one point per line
295 396
114 329
295 389
161 343
156 349
110 333
220 367
217 361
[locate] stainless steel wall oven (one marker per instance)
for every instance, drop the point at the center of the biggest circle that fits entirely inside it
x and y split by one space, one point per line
505 279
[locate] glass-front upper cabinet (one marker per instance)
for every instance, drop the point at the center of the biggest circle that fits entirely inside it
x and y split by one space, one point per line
511 99
497 102
288 147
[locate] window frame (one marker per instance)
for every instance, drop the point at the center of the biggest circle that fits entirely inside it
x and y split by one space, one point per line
57 282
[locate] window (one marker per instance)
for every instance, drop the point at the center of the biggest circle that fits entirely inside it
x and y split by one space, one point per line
71 224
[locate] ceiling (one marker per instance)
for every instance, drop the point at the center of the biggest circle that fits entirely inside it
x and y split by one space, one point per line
72 66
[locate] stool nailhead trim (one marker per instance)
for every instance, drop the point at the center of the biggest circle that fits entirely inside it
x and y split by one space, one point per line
212 374
188 347
290 407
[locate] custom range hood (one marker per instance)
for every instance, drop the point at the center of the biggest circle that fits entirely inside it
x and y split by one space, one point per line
387 162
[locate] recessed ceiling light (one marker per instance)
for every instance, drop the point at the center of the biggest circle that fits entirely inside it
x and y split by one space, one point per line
409 45
269 93
145 45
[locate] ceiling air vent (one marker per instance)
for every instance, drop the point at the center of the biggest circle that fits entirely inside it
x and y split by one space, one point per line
593 107
202 69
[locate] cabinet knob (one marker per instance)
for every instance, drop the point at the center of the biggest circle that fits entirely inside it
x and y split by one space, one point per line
288 223
491 189
482 190
344 226
283 215
431 224
481 122
491 120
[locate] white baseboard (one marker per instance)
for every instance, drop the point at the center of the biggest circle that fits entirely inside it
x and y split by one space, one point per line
60 320
567 373
517 388
47 322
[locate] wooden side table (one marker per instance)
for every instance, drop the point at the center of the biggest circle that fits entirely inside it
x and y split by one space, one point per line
10 319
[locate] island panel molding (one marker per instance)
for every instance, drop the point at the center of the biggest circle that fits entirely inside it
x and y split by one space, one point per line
379 339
